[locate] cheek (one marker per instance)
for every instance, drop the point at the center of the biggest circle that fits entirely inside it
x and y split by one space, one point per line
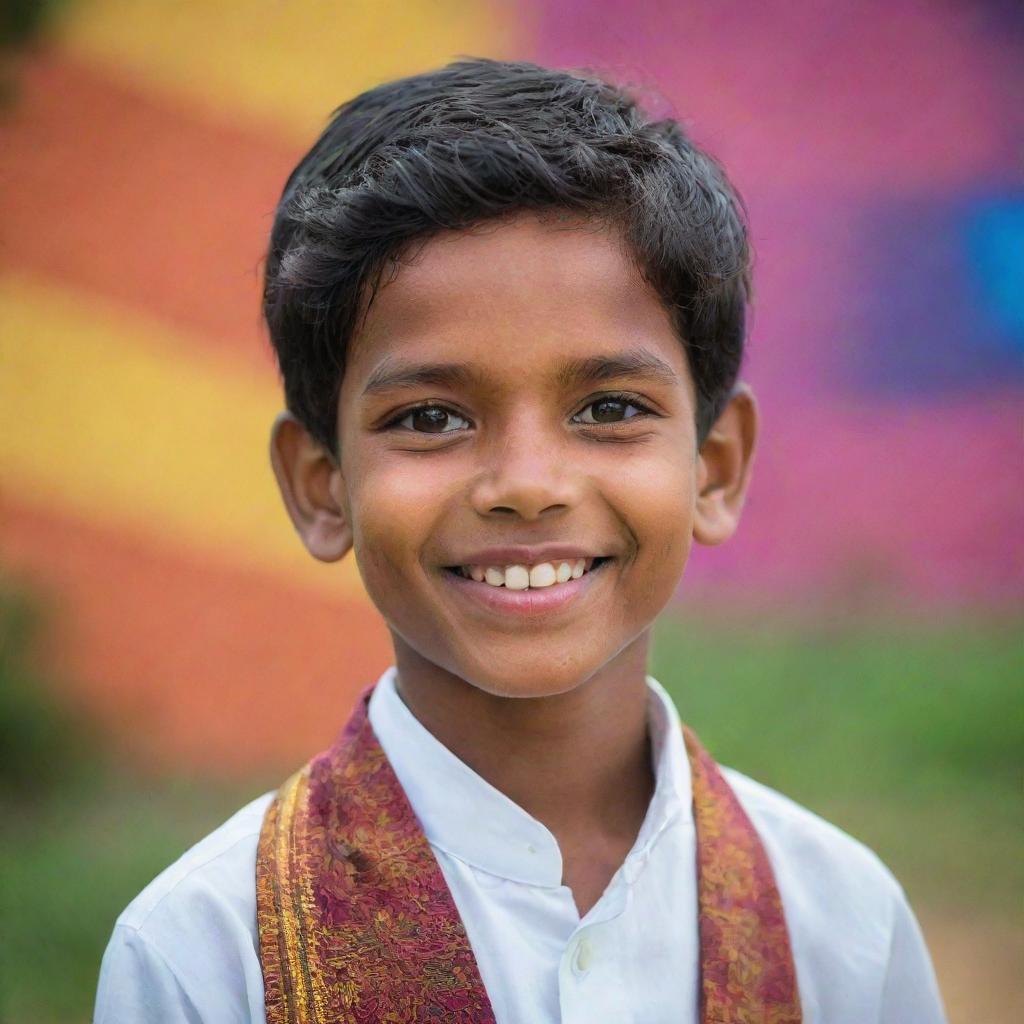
393 509
656 500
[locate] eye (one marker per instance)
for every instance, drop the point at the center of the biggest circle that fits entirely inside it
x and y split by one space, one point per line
610 409
430 419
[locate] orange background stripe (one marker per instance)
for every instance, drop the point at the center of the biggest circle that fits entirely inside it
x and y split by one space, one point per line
142 201
185 660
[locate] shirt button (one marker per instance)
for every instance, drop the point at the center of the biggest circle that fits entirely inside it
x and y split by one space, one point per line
584 954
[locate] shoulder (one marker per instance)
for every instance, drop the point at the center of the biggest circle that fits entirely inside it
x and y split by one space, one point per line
795 836
824 874
858 950
220 868
189 939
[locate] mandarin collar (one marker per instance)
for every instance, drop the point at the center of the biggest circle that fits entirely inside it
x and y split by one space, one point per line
464 815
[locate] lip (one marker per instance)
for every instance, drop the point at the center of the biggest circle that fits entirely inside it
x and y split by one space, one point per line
530 602
520 554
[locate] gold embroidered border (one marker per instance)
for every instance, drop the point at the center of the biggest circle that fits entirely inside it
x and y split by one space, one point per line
285 909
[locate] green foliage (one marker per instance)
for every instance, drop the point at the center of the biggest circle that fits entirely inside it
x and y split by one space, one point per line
23 20
21 23
41 745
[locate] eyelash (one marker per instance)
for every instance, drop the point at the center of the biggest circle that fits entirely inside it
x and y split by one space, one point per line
627 399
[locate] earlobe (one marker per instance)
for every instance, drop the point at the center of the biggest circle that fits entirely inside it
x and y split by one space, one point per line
723 469
312 488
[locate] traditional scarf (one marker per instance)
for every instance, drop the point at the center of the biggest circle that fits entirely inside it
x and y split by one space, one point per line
357 923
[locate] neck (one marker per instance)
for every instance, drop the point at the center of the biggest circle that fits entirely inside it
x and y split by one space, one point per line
579 762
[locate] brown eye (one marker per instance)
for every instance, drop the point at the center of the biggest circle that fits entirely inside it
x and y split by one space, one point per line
608 410
431 419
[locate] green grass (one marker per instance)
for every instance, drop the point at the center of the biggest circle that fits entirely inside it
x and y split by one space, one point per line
907 735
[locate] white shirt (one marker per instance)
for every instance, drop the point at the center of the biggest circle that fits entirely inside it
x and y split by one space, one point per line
186 949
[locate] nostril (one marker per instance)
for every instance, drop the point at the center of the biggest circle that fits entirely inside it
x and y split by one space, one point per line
525 512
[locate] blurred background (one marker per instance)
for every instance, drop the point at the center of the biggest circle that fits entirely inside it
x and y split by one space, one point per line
167 649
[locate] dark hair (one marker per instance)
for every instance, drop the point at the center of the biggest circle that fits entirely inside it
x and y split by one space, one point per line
479 140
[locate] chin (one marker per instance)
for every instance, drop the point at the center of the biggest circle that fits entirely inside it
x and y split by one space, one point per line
530 679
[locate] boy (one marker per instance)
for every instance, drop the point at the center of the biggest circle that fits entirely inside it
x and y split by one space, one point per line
509 315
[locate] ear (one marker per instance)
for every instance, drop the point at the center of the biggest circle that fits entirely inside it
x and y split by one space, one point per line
312 487
723 468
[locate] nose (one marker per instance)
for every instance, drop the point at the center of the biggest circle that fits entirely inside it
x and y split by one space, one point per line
527 473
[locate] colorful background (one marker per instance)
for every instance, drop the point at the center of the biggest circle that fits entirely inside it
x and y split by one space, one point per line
879 147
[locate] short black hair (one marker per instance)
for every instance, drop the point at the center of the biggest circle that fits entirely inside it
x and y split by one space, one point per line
480 140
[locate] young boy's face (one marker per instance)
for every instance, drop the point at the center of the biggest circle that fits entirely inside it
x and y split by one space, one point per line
517 395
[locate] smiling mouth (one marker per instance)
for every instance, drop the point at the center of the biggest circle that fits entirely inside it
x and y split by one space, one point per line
529 577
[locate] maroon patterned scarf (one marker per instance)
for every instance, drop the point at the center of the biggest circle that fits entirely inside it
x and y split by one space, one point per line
357 923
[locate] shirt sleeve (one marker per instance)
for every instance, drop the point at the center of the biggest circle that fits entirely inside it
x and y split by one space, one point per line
136 984
911 991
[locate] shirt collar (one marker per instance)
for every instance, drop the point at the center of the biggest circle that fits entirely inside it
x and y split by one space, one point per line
464 815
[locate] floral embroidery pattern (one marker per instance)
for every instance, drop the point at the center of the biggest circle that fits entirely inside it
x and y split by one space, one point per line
357 924
356 921
747 971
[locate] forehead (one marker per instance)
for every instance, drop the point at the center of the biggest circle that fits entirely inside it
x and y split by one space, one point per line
513 299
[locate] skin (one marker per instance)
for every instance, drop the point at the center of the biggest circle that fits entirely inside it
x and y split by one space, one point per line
516 463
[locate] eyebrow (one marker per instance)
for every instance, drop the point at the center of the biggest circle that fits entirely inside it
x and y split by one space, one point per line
637 362
395 375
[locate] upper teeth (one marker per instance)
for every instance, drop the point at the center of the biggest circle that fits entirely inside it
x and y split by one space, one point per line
521 577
